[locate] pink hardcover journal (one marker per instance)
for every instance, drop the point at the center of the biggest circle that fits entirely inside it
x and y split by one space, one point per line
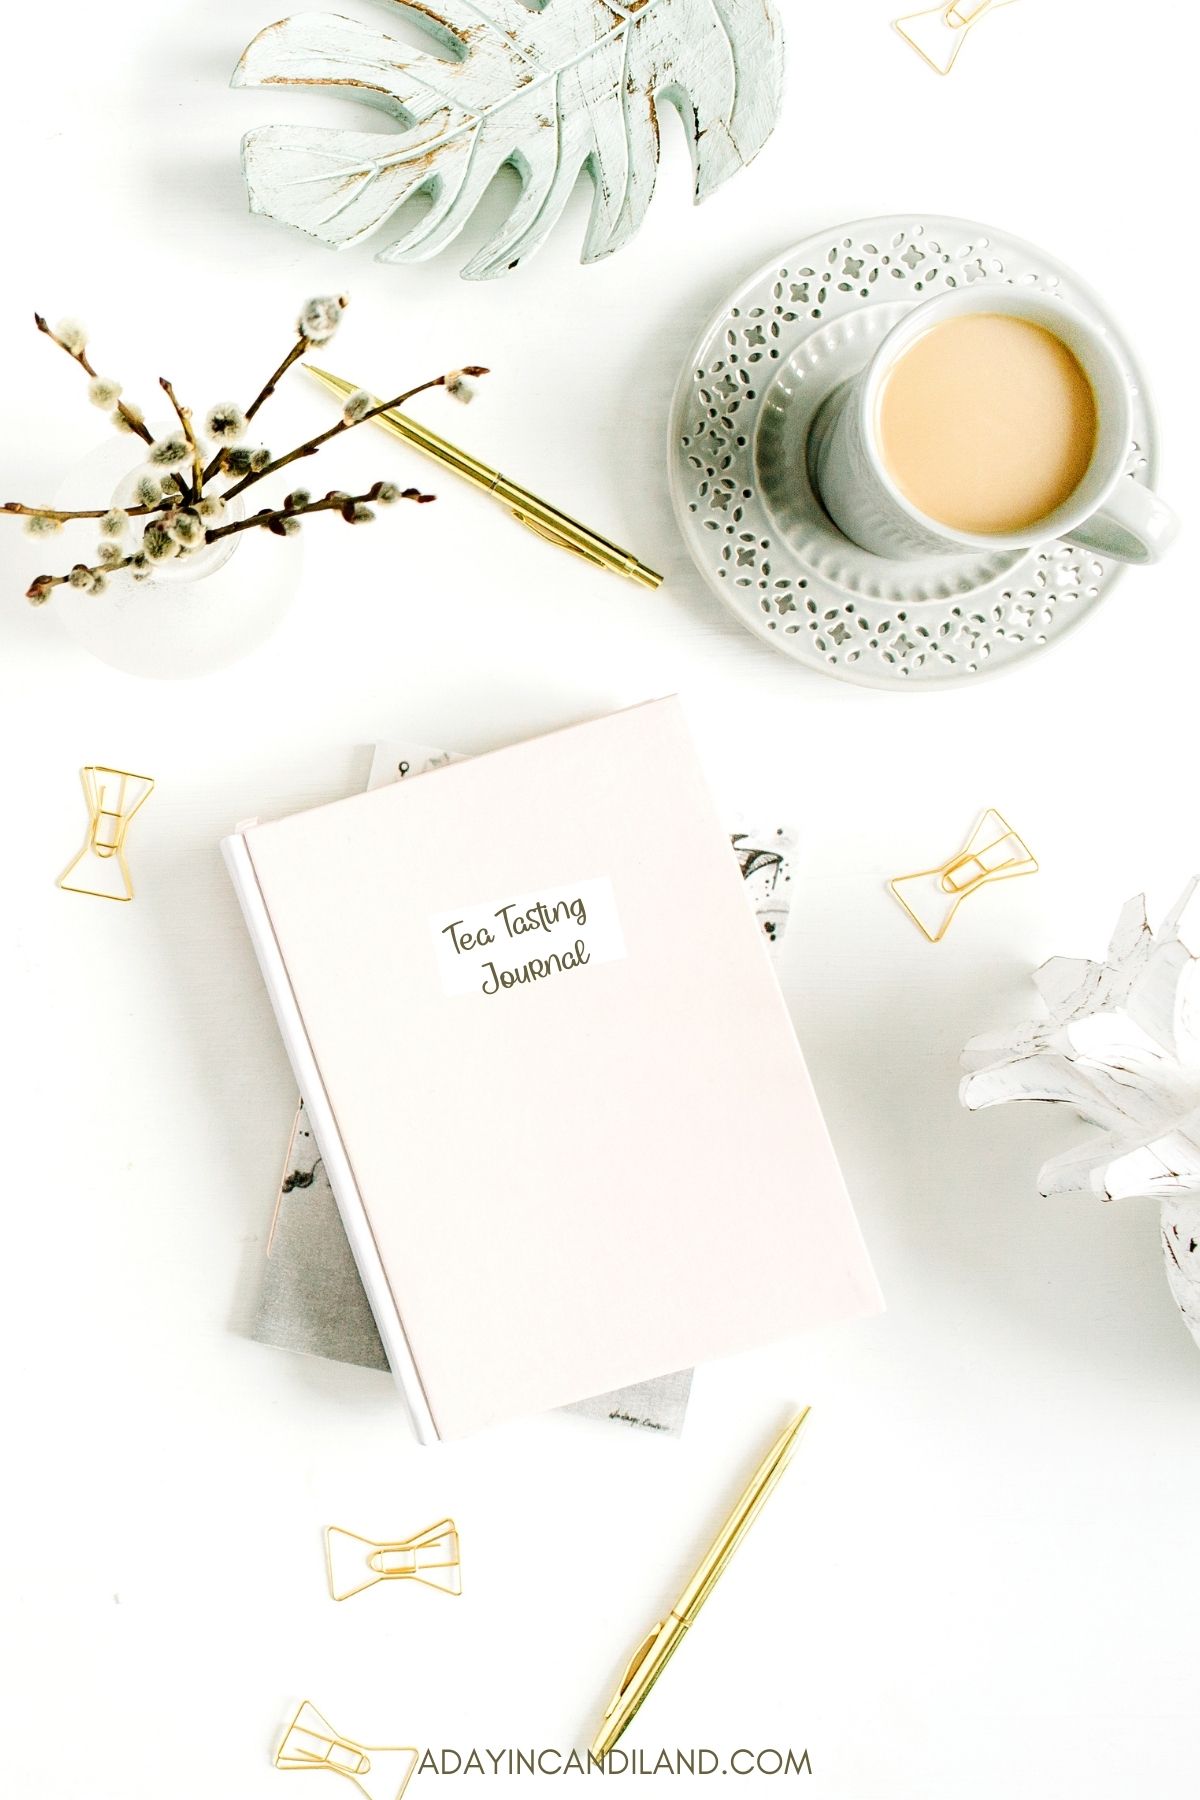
564 1114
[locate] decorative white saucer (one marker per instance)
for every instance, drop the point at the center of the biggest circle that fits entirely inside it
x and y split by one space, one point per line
741 433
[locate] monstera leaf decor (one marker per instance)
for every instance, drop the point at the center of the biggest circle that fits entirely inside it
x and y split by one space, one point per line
549 89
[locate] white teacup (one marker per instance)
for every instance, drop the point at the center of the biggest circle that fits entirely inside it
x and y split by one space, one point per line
1107 512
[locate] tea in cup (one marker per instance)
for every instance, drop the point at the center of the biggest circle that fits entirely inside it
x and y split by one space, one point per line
988 419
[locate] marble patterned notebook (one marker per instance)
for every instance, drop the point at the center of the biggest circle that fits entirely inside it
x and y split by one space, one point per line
311 1299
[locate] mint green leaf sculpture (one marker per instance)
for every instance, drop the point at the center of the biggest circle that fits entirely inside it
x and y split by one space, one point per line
550 91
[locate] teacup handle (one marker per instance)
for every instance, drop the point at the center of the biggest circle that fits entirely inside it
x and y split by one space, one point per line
1133 526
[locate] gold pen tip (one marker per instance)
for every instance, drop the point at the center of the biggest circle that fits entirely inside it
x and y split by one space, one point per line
797 1424
326 375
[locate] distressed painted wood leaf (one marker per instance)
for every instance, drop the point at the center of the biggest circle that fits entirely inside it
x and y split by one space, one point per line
549 90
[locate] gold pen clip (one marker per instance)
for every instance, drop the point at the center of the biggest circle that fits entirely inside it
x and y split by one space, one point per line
617 562
556 537
634 1664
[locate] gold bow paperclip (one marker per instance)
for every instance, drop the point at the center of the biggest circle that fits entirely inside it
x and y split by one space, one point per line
113 796
381 1772
993 852
937 35
432 1558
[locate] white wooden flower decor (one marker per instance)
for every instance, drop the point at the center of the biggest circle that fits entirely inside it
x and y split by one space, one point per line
1121 1044
549 88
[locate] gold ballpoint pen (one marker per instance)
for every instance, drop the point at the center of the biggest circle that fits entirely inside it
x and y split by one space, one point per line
651 1657
524 506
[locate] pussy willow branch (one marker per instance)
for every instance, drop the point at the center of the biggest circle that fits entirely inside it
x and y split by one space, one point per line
308 449
100 512
132 418
314 444
184 415
41 585
333 502
297 350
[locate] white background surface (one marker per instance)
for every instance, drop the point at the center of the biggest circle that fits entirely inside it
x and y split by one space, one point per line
980 1578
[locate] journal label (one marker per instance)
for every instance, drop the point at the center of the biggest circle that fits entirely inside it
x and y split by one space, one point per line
502 946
